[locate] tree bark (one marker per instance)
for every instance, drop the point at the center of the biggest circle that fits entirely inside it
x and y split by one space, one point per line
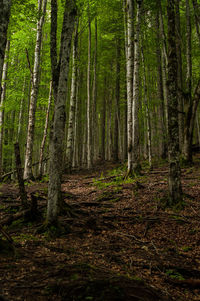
34 92
60 79
71 124
40 171
129 80
3 96
5 6
175 190
89 150
22 190
135 105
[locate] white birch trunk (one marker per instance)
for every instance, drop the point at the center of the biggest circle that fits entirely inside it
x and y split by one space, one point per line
135 105
71 124
34 92
129 75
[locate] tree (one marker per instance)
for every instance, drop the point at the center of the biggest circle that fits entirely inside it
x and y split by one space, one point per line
34 91
175 190
5 6
60 68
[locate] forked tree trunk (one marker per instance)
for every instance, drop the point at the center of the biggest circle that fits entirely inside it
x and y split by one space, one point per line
40 168
34 92
135 107
72 110
2 98
60 78
175 190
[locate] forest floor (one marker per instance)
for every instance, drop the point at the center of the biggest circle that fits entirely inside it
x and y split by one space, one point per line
120 244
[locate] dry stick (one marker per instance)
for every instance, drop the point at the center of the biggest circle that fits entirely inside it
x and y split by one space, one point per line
22 190
6 235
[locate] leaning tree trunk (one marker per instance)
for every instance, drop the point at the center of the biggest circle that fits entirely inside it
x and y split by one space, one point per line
60 79
2 100
175 191
72 110
34 92
135 107
5 6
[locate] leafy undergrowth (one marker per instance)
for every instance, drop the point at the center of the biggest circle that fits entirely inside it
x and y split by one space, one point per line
120 244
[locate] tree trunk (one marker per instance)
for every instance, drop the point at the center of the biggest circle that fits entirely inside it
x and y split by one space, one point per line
117 98
135 106
94 99
45 133
89 150
175 190
22 190
5 6
3 96
147 115
129 80
179 76
60 78
71 124
34 92
197 17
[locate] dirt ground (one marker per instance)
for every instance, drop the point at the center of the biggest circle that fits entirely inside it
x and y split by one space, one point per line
119 243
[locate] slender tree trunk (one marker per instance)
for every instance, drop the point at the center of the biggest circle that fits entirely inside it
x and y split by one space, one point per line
89 150
71 124
3 96
162 119
197 17
21 112
5 6
117 98
135 107
22 190
60 79
147 114
40 168
175 190
103 122
129 80
34 92
187 147
94 98
179 75
164 59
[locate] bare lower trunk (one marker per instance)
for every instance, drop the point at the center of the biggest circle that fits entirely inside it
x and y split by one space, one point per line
129 80
60 78
135 107
175 191
89 150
